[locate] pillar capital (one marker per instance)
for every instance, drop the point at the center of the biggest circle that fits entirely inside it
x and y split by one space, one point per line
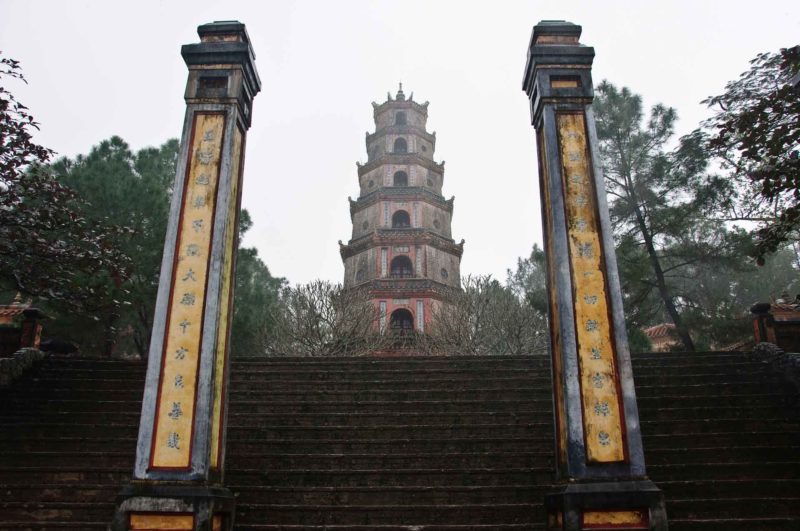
559 68
222 66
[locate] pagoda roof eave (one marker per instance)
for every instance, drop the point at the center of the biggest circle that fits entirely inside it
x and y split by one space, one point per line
400 158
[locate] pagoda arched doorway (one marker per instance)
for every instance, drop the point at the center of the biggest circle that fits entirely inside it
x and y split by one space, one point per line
401 322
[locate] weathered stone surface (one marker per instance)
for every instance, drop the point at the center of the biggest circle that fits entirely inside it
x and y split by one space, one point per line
444 440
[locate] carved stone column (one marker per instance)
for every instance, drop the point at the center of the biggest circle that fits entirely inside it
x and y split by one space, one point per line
180 456
598 442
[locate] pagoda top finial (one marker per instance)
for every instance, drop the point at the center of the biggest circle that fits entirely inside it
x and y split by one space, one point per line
400 95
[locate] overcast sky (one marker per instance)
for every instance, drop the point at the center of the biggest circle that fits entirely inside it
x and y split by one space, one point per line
102 68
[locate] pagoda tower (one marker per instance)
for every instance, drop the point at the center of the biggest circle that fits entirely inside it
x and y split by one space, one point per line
401 247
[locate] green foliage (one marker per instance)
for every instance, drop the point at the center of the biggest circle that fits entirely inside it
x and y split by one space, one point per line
719 314
659 205
131 188
755 132
135 188
679 258
48 248
638 340
529 281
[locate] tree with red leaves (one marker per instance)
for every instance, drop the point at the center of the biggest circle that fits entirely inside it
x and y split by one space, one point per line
48 249
755 132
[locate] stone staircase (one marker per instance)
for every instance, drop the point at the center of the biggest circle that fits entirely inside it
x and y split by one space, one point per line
405 443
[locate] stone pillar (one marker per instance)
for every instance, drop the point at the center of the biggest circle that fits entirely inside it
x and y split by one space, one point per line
178 476
599 452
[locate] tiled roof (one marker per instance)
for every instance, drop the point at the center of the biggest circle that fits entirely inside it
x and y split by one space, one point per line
660 330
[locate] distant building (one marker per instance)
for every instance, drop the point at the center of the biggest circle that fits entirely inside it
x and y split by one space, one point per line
662 337
401 247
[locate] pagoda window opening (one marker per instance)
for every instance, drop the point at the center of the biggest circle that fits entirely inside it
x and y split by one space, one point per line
400 118
401 178
401 322
400 145
402 267
401 220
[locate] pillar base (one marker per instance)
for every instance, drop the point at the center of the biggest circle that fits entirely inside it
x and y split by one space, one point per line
174 507
636 504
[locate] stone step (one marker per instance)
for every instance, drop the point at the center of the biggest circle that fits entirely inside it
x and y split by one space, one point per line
721 438
727 523
694 412
63 511
741 400
648 405
391 431
409 515
359 385
403 395
716 424
729 488
699 391
723 361
55 492
283 461
36 429
300 420
457 495
129 427
260 407
404 444
447 477
396 362
676 355
252 391
50 525
98 443
751 470
66 474
709 378
268 374
747 507
57 459
63 391
388 462
312 495
417 527
420 376
268 420
741 454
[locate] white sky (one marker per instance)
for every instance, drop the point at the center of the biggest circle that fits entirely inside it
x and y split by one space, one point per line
102 68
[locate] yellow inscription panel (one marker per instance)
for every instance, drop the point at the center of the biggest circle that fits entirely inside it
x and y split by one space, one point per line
564 83
225 299
616 520
596 357
172 436
161 522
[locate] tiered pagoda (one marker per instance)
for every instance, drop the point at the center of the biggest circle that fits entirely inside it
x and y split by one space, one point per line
401 248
